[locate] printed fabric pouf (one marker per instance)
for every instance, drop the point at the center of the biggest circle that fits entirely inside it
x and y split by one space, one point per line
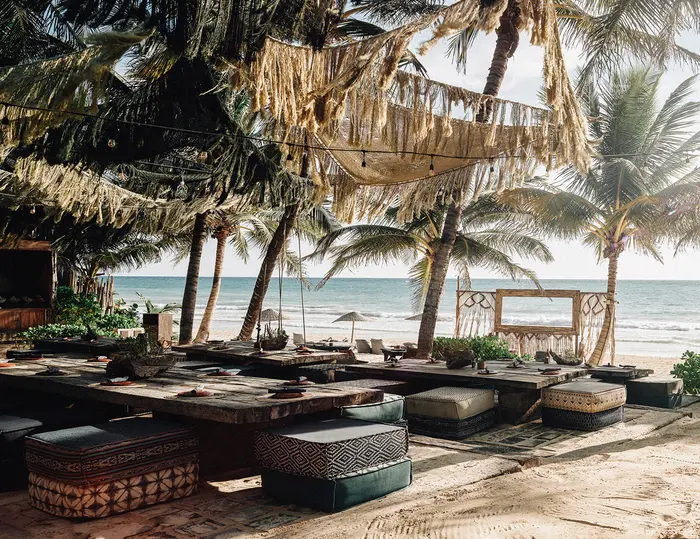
342 491
392 410
331 448
13 429
583 405
589 421
97 471
451 412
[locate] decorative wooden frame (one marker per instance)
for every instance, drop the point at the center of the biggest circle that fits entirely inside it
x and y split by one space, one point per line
574 295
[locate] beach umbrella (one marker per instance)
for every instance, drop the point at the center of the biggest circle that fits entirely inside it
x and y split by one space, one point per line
271 315
353 317
419 316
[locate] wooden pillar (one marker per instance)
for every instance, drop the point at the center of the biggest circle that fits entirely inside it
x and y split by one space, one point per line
159 328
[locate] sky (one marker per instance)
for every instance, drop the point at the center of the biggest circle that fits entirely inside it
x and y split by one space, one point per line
522 81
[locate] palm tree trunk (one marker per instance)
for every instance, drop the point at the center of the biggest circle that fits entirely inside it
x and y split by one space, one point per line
506 44
277 244
441 263
205 324
607 332
189 298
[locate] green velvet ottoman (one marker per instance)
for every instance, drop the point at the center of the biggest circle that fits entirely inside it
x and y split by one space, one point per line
331 448
451 412
341 492
583 405
392 410
101 470
658 392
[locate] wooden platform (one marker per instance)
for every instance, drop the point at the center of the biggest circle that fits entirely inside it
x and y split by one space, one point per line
527 377
236 400
243 353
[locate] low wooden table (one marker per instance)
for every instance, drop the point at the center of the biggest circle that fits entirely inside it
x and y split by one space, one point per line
518 389
243 353
614 374
102 346
225 420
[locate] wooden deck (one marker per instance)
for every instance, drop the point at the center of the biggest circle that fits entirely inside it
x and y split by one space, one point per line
527 377
236 400
237 353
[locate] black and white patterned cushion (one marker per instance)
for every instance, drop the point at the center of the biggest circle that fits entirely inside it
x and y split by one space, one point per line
569 419
452 429
328 449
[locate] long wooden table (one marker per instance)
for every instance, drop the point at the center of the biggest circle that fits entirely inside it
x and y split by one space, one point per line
518 389
236 400
237 353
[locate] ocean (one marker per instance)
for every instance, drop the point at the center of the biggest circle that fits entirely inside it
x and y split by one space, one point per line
660 318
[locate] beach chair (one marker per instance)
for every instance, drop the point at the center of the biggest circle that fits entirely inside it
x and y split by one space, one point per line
297 338
363 346
377 345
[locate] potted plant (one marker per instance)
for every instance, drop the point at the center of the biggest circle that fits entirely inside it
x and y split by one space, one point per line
272 339
140 357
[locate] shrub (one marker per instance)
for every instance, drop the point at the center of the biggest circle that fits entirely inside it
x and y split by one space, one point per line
53 331
689 372
485 348
121 318
71 308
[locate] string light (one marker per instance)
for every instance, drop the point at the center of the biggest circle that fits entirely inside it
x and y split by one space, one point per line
203 156
112 143
32 210
364 158
431 171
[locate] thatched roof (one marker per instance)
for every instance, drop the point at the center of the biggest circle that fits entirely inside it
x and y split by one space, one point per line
352 316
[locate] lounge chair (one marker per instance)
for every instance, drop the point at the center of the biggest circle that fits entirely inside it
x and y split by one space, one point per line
377 345
297 338
363 346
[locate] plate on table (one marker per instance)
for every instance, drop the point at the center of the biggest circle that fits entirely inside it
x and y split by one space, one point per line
118 382
487 372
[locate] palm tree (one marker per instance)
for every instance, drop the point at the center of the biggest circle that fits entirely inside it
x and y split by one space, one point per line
489 235
610 32
643 173
189 297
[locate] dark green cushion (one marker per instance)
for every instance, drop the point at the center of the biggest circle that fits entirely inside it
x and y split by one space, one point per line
342 492
391 410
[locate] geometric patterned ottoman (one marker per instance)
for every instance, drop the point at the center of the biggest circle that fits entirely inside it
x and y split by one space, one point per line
392 410
101 470
658 392
451 412
341 492
331 448
583 405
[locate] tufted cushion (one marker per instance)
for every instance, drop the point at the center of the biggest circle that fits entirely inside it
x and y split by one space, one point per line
390 410
450 402
584 396
330 448
96 454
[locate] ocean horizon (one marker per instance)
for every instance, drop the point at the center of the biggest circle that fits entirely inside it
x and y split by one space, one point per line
654 317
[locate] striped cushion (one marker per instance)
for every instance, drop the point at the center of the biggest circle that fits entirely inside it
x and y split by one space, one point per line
328 449
450 402
451 429
568 419
584 396
97 454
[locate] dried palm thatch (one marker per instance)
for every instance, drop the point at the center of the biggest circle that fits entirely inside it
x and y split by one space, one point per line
354 96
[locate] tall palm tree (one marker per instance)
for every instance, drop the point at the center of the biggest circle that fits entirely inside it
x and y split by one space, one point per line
488 237
609 31
642 175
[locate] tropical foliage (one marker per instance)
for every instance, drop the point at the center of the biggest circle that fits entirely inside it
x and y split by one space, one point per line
643 176
489 236
689 372
485 348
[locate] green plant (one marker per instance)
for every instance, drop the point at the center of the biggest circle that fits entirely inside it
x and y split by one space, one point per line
689 372
71 308
485 348
151 307
53 331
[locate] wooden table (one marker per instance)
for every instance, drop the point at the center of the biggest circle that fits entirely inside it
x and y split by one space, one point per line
610 373
237 352
103 346
518 389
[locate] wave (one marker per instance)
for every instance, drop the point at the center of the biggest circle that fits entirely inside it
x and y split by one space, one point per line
651 325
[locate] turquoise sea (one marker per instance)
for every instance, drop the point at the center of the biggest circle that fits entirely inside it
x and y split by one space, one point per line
653 318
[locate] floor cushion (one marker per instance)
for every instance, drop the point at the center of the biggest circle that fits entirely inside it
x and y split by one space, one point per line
452 429
450 402
340 492
143 459
13 471
391 410
330 448
588 421
584 396
658 392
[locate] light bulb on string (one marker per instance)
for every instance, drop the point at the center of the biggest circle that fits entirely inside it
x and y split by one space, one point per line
181 190
364 159
32 210
431 170
111 143
203 155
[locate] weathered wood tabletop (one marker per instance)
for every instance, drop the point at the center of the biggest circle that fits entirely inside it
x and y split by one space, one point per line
236 352
235 400
527 377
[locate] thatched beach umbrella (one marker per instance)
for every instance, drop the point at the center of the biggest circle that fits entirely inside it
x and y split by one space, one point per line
353 317
418 317
271 315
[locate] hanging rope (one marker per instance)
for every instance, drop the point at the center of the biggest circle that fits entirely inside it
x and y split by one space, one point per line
301 286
